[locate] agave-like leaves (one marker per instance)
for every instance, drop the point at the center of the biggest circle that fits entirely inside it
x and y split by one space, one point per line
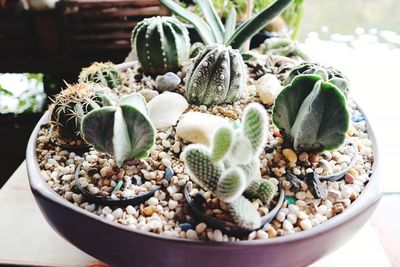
212 19
230 24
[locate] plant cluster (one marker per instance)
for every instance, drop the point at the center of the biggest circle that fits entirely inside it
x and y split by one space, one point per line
282 46
230 168
104 73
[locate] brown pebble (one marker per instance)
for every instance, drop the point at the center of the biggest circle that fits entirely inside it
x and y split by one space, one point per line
313 208
303 156
349 178
276 224
313 158
105 182
337 208
353 196
272 232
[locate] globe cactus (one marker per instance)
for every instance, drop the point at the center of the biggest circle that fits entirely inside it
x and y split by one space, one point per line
131 134
231 165
312 114
105 74
217 76
71 104
161 44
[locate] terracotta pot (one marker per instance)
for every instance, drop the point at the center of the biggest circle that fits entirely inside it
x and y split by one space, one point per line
119 245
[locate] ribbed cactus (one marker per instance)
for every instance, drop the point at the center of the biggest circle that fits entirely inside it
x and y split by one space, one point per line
195 49
217 75
122 130
70 106
105 74
328 74
232 163
312 113
261 189
282 46
161 44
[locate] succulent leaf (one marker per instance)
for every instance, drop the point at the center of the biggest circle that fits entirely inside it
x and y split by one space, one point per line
261 189
244 213
222 142
251 169
231 185
255 126
230 24
242 150
203 171
212 19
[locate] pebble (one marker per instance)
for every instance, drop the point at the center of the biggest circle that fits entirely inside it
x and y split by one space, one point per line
117 213
191 234
337 208
305 224
201 227
301 195
290 155
167 82
172 204
130 210
169 172
262 234
267 88
349 178
218 235
166 109
185 226
148 94
153 201
155 224
287 225
195 127
303 156
149 210
106 171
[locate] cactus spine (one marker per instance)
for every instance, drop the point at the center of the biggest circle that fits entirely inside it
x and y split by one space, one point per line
105 74
217 75
161 44
241 149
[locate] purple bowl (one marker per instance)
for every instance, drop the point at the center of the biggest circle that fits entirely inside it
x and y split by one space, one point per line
119 245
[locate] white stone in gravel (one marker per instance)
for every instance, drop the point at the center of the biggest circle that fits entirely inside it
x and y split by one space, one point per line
280 216
172 204
191 234
267 88
252 235
301 195
287 225
90 207
302 215
262 234
78 198
117 213
305 224
322 209
197 127
292 218
68 195
166 162
167 82
218 235
148 94
201 227
155 224
153 201
94 190
293 208
109 217
107 210
166 109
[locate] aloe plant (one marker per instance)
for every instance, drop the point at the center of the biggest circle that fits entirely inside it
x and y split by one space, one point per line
122 130
231 166
212 30
312 114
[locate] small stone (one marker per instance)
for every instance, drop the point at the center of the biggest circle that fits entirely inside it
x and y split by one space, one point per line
349 178
301 195
201 227
130 210
315 186
166 109
303 156
155 224
191 234
166 162
267 88
292 218
302 215
218 235
152 201
106 171
195 127
117 213
287 225
280 216
261 234
337 208
148 94
185 226
322 209
294 182
272 232
305 224
169 172
167 82
172 204
290 199
149 210
290 155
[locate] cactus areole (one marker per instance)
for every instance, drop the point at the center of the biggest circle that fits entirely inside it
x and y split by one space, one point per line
218 75
160 44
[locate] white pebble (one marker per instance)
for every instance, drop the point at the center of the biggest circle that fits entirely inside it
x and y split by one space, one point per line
301 195
191 234
302 215
292 218
322 209
305 224
280 216
287 225
201 227
262 234
155 224
172 204
218 235
106 210
117 213
152 201
293 208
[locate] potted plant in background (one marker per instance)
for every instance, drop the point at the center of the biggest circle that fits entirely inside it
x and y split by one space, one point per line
268 154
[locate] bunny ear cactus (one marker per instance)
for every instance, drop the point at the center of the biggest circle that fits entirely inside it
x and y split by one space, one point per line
71 105
231 164
211 29
329 74
123 131
313 113
217 75
105 74
161 44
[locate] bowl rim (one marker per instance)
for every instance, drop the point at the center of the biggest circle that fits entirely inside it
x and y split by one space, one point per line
370 194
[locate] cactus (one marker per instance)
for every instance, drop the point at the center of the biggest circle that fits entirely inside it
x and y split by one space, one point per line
161 44
328 74
217 76
282 46
211 29
231 165
195 49
131 135
261 189
72 103
312 114
105 74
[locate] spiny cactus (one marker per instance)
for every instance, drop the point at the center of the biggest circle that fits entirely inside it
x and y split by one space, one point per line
261 189
72 103
230 166
282 46
122 130
104 73
217 76
161 44
195 49
328 74
312 114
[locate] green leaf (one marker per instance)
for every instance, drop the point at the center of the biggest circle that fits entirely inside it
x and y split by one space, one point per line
213 20
136 100
256 23
244 213
221 144
230 24
201 26
231 185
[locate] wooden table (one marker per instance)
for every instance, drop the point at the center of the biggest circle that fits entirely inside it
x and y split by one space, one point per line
27 239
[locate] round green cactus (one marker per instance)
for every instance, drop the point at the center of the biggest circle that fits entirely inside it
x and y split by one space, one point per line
71 105
313 113
104 73
218 75
161 44
282 46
